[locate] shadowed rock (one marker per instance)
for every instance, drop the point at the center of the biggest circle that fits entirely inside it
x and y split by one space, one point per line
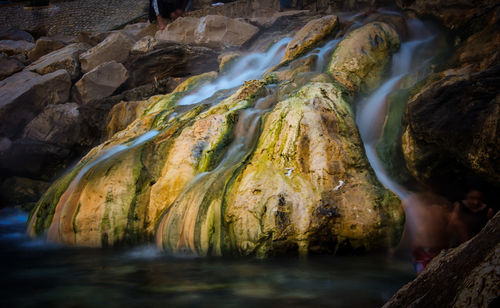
34 159
9 66
25 94
15 47
169 60
453 129
57 124
20 191
116 47
65 58
43 46
468 272
100 82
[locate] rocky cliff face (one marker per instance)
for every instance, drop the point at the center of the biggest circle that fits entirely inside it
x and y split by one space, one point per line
450 125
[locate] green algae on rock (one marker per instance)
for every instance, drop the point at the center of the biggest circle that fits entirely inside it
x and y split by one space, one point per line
295 181
116 201
308 183
359 60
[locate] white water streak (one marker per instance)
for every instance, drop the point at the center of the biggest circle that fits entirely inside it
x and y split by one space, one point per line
372 111
249 67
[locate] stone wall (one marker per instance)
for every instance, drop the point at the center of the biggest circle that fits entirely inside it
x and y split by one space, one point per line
260 8
72 17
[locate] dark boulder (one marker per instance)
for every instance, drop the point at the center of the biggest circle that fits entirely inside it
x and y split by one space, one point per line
169 60
466 276
453 130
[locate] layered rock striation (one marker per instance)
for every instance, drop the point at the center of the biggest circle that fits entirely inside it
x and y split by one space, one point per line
263 170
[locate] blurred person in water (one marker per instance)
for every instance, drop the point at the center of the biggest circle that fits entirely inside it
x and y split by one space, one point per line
427 218
469 216
434 224
161 10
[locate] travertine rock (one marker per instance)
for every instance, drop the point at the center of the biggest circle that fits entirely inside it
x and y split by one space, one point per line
312 33
360 59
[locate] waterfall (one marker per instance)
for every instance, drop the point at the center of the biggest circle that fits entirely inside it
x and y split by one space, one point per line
372 111
54 229
191 200
249 67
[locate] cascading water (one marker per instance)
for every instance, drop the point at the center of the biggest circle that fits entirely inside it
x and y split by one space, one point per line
249 67
188 282
53 233
192 210
193 225
372 111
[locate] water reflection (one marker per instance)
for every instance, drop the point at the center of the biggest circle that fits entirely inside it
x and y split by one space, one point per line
143 276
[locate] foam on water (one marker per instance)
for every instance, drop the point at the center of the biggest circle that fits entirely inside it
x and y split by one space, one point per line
146 252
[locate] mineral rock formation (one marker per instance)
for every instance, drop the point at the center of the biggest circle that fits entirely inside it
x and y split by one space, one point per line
360 59
312 33
209 179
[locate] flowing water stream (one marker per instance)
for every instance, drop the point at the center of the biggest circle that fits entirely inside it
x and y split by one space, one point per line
41 273
371 112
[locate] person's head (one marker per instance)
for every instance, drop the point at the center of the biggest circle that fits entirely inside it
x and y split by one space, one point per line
474 199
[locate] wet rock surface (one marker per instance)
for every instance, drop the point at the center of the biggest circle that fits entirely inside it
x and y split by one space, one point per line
310 35
155 181
362 56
